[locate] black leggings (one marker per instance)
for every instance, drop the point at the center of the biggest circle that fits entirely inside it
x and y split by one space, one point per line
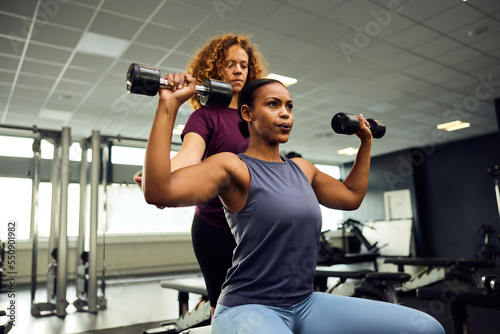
213 248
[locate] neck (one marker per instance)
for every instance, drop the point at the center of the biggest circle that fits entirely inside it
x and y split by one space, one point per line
234 102
264 152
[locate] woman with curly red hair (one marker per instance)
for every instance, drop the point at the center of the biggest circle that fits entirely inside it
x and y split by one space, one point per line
235 59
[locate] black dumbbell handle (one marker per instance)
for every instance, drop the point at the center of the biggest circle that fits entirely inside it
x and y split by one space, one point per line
200 90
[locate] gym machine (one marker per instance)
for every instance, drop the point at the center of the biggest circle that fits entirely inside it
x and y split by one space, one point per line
2 267
5 322
86 270
57 265
460 297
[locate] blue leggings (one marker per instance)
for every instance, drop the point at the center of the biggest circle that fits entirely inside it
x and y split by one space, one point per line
324 313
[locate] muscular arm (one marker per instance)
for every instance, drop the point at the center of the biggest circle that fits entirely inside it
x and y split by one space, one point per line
191 152
349 194
185 186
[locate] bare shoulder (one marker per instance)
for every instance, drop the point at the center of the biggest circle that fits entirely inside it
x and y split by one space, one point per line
236 171
228 161
308 168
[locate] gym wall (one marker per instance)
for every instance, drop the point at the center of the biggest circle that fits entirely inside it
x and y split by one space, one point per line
452 193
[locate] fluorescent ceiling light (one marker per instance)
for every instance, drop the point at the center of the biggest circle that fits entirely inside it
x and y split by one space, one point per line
287 81
56 115
348 151
102 45
452 126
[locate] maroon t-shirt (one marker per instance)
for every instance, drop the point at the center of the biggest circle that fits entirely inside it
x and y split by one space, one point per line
219 129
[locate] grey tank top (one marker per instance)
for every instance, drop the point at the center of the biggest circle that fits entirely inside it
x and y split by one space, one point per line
277 236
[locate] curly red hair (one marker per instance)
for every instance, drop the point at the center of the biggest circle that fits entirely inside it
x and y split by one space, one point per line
208 61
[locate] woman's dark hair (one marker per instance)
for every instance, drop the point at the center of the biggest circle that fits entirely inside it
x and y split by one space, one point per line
247 96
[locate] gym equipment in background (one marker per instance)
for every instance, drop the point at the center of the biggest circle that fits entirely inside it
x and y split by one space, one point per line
201 315
58 240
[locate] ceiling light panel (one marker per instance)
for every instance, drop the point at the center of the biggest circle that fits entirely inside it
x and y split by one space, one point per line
102 45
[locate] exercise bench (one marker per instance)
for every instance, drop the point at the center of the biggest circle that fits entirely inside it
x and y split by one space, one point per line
459 298
439 269
5 322
201 315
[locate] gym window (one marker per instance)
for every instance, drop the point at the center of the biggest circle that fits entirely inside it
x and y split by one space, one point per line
331 218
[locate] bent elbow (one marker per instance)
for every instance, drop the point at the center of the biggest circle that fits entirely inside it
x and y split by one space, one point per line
153 198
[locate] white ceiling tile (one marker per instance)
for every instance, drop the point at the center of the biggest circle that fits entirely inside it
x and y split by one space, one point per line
14 26
379 50
71 88
138 9
487 45
476 31
457 56
323 77
245 10
477 65
425 9
487 6
392 80
299 70
329 31
6 80
159 36
354 13
436 47
383 93
430 91
318 7
214 26
35 69
121 27
67 14
423 68
413 36
331 59
401 61
11 46
25 8
445 75
454 18
99 63
144 54
57 36
422 105
392 25
38 52
294 48
371 73
179 15
287 19
9 63
449 97
265 38
176 61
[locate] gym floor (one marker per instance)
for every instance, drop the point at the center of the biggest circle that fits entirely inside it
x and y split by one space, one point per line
142 301
128 303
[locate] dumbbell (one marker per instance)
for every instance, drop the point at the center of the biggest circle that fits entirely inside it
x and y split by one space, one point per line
146 80
491 283
348 124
